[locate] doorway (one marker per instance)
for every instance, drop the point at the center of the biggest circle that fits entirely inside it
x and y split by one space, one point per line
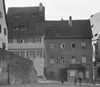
63 74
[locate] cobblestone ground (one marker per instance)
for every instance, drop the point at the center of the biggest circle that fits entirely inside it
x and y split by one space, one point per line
53 84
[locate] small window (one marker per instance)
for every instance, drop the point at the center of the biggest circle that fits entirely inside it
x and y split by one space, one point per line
52 60
5 31
51 46
0 28
62 59
72 72
83 59
3 46
73 60
73 45
87 74
83 45
62 45
0 14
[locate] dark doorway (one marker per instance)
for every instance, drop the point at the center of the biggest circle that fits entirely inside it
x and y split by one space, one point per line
98 71
63 74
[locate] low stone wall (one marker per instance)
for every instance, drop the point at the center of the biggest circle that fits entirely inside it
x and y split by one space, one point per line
16 69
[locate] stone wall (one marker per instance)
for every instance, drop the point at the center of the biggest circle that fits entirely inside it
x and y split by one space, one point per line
16 69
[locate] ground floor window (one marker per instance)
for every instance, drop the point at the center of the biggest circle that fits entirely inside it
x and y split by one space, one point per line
87 74
98 71
72 72
51 75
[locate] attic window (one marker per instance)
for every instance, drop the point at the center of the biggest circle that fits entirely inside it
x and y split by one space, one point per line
21 27
34 14
17 15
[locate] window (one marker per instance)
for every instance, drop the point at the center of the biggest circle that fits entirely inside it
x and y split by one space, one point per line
51 46
52 60
83 44
14 41
4 31
73 60
73 44
51 75
72 72
3 46
10 41
34 14
98 71
21 41
62 59
62 45
0 28
18 15
37 39
83 59
0 14
87 74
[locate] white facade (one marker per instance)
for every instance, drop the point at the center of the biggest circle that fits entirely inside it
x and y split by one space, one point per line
3 27
30 50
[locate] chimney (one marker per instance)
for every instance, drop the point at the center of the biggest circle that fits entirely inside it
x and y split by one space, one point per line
70 21
40 7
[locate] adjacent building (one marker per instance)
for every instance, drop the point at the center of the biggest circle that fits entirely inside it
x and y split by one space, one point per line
97 60
3 26
26 33
68 47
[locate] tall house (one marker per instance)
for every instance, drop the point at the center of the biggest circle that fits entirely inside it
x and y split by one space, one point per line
97 60
26 33
68 47
3 26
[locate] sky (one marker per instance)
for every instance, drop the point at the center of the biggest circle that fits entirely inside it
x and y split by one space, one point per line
57 9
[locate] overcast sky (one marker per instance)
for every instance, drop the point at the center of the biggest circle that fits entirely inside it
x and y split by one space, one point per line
57 9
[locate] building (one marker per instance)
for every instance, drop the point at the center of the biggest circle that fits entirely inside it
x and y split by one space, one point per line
26 34
3 26
95 23
68 47
97 60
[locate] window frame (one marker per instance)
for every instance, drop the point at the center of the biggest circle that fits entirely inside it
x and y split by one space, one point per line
73 58
0 28
52 60
62 46
62 59
83 59
52 46
73 43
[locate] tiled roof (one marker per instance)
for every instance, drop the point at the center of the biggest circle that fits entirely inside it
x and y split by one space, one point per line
33 20
29 17
61 29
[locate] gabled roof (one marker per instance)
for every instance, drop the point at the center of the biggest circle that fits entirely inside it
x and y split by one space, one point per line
31 17
61 29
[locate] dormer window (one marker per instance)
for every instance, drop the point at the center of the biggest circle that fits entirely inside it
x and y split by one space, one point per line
34 14
83 44
18 15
